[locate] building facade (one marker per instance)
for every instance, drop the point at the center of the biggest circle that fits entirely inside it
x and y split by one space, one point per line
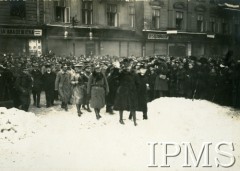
190 27
92 27
21 24
120 27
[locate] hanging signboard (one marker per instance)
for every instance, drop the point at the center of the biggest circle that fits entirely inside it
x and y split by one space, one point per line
157 36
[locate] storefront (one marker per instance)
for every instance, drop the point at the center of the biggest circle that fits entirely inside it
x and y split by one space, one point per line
21 40
92 41
184 44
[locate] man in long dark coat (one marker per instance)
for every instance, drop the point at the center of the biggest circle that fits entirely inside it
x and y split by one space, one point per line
6 87
142 88
126 96
37 85
161 82
151 77
112 78
49 85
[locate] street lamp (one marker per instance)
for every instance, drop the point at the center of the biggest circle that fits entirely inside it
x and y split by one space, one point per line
90 34
65 34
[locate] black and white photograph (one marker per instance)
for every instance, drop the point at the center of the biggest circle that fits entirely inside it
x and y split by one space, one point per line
119 85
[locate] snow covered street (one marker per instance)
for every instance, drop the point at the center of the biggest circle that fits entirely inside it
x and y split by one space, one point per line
59 140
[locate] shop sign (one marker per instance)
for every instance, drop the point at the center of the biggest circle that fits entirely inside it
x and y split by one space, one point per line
157 36
187 37
21 32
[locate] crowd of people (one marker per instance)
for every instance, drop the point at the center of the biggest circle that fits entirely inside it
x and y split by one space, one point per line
119 83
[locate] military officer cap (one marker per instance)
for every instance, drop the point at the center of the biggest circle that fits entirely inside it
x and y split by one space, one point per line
78 65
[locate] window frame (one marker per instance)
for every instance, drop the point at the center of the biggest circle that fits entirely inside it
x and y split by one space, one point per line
87 13
179 18
156 14
112 15
224 26
200 20
16 5
212 24
132 15
65 13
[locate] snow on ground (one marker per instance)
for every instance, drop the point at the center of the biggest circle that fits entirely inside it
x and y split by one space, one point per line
16 124
64 141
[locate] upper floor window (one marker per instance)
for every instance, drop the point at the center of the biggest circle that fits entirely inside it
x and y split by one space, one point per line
18 8
179 20
156 18
236 25
200 23
212 25
236 28
62 13
224 27
132 16
112 14
87 12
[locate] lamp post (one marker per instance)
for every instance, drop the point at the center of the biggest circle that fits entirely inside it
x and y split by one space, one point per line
90 34
74 22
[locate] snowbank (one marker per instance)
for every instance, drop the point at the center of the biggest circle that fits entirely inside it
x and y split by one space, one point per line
64 141
16 124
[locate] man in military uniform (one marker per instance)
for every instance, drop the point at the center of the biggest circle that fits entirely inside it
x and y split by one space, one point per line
24 87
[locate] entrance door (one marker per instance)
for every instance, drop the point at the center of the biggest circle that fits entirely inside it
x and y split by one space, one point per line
90 49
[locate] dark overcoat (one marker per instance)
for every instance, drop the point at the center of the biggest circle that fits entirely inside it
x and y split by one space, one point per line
161 84
49 81
126 96
113 82
142 93
37 80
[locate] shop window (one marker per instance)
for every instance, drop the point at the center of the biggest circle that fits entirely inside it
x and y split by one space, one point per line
18 8
212 25
132 16
112 15
156 18
179 20
200 23
87 12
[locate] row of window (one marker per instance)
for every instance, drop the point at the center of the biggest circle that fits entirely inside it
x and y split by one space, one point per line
62 14
213 27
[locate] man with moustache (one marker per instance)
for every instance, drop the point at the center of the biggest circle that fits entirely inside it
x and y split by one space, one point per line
49 85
